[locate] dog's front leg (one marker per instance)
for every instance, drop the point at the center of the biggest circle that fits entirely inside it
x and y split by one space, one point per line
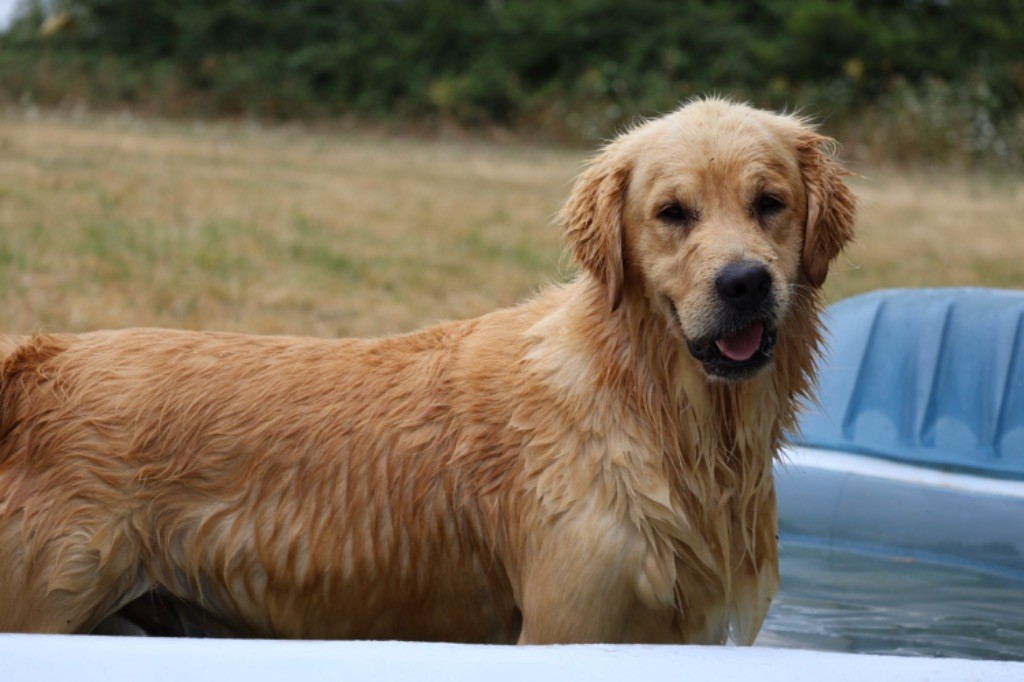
588 580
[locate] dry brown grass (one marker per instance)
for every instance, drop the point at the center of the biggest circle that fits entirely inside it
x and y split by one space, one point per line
921 229
116 222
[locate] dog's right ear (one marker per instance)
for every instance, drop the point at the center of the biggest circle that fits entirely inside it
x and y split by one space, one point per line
592 220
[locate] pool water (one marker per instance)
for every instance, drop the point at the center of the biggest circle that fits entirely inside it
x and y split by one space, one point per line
834 600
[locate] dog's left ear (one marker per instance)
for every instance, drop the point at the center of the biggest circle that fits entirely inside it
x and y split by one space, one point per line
831 206
592 220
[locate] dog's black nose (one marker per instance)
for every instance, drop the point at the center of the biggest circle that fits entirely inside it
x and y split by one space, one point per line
744 284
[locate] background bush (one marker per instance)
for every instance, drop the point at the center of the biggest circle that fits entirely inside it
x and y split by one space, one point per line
902 79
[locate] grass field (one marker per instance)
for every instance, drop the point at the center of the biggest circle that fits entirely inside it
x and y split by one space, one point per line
113 222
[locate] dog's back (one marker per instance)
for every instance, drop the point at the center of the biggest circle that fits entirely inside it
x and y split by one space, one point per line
291 485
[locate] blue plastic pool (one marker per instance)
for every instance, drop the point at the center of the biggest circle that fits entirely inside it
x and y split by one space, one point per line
901 505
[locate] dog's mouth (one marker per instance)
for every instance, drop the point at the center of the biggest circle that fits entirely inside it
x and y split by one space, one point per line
736 354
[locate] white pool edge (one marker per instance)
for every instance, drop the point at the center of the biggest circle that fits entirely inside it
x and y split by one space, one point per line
793 457
41 658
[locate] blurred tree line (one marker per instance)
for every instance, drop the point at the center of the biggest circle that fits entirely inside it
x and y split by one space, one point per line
951 72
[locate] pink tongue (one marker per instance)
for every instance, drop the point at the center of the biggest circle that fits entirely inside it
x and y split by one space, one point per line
743 344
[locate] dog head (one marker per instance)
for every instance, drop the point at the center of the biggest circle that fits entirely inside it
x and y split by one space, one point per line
716 213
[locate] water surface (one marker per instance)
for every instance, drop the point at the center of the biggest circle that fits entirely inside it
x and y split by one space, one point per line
834 600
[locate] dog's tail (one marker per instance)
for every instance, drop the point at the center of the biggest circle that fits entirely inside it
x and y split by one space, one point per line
23 363
8 344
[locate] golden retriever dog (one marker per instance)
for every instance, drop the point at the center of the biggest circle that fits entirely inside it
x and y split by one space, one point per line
592 465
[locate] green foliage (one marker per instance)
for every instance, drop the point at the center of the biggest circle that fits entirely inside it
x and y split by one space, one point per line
574 69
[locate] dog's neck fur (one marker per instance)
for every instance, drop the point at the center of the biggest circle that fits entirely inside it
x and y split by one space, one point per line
711 505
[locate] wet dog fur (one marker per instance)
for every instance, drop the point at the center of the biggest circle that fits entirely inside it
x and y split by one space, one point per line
593 465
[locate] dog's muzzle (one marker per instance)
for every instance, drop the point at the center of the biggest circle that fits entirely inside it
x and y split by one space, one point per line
741 342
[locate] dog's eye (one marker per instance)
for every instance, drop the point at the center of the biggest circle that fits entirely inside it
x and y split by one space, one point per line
676 214
767 205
